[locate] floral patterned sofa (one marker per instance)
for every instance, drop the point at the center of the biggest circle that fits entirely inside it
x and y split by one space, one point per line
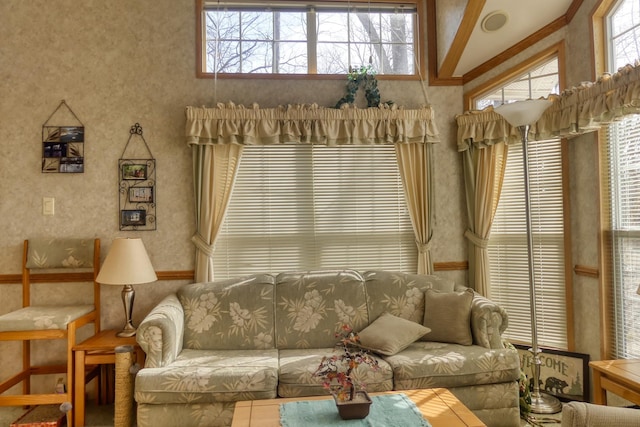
260 337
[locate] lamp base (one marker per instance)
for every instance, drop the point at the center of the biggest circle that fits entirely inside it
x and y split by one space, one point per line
543 403
128 331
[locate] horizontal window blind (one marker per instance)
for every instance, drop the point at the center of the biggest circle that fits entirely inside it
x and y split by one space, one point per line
508 245
305 207
623 158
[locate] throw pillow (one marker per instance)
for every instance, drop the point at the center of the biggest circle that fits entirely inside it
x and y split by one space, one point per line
448 315
389 334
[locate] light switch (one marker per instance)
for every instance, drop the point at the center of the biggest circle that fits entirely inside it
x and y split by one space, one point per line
48 205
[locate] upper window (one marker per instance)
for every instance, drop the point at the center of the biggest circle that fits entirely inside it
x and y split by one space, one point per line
623 30
323 38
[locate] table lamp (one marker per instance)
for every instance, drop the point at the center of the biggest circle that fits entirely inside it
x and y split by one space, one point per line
127 263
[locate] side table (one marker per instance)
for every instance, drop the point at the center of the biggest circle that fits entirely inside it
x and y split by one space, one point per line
96 350
621 377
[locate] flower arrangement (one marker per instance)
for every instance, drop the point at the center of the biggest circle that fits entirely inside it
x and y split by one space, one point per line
336 371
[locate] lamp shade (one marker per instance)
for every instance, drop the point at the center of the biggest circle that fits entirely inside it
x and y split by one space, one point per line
521 113
127 263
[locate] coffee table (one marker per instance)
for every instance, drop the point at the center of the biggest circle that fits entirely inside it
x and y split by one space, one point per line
438 405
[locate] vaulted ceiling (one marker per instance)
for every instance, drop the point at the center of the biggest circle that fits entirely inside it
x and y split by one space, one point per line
469 37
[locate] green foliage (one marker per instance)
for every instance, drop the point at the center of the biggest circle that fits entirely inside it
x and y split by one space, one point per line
364 77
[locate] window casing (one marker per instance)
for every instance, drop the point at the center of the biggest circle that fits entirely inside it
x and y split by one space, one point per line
621 154
325 38
507 246
305 207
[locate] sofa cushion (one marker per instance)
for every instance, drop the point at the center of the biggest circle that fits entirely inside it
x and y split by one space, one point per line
434 364
297 367
448 315
400 294
229 314
311 307
389 334
205 376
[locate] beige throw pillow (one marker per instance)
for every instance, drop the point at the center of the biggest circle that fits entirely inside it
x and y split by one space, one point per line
448 315
389 334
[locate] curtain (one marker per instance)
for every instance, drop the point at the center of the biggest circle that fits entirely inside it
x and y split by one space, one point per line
218 134
483 167
414 163
214 170
483 137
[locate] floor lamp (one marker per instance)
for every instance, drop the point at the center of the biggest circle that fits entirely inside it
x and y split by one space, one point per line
522 114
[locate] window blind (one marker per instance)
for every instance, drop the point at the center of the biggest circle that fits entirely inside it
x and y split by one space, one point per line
305 207
623 158
508 245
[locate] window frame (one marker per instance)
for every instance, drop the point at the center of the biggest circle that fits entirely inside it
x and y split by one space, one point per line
603 58
470 97
419 46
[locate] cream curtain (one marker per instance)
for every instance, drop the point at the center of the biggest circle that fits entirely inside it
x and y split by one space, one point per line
483 166
214 170
218 134
414 163
483 137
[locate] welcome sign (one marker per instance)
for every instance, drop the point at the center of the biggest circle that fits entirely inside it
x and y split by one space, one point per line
563 374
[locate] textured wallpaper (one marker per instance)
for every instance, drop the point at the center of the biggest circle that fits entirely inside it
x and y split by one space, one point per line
118 63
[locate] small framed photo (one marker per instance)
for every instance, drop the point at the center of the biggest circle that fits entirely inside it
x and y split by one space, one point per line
141 194
134 172
133 217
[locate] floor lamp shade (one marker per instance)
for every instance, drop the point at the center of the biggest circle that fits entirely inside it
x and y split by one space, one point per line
127 263
522 114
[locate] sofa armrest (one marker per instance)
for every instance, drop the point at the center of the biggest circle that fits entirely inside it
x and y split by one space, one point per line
488 322
160 333
581 414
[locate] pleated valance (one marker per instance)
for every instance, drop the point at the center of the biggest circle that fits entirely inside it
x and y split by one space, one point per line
575 111
309 124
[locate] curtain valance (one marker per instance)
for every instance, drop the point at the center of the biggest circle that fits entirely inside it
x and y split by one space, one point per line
309 124
575 111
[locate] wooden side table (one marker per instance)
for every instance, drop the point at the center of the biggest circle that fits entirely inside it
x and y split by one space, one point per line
621 377
97 350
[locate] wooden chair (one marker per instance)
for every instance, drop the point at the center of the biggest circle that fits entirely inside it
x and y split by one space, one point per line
59 261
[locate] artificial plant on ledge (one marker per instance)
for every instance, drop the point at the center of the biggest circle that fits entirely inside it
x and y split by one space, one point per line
364 76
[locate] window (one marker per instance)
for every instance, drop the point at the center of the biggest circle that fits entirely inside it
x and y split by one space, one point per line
508 241
622 155
303 207
292 38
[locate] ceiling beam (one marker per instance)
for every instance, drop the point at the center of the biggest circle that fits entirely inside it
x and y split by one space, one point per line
432 50
470 18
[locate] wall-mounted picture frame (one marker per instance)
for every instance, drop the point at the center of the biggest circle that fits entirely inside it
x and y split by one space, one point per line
63 149
133 217
141 194
63 145
134 171
563 374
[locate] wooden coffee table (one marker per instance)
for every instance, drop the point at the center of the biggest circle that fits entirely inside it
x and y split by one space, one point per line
621 377
438 405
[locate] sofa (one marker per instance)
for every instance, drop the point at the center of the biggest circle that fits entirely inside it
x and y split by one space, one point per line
212 344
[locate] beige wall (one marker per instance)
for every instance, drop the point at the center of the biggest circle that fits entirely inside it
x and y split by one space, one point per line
121 62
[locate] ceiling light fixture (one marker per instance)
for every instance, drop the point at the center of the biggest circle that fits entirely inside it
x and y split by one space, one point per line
494 21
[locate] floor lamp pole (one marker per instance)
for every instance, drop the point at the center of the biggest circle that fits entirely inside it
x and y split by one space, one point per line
541 403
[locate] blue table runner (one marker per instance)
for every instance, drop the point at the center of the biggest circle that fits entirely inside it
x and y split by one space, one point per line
386 410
